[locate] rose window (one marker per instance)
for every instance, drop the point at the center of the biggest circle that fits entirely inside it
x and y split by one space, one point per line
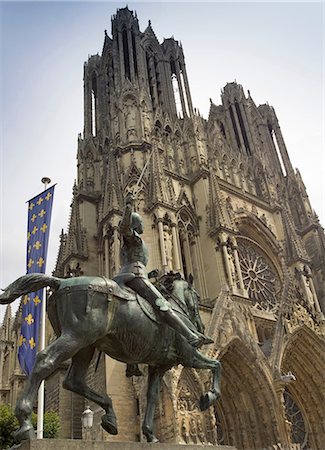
259 276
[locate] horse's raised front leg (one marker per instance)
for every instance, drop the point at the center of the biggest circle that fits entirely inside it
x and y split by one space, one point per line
202 362
154 377
75 382
47 361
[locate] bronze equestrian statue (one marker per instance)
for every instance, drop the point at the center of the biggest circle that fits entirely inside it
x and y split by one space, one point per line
134 258
140 327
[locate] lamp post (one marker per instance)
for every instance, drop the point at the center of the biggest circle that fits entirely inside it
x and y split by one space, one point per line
87 419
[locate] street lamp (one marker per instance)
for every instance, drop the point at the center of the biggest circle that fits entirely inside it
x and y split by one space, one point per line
87 419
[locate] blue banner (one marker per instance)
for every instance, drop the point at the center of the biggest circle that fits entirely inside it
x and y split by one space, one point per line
39 218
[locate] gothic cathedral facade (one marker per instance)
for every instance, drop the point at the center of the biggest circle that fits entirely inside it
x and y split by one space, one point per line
221 201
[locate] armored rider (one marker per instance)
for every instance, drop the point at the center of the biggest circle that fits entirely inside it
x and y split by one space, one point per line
134 258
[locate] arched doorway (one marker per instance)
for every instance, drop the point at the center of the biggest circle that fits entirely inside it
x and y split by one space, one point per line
304 398
246 413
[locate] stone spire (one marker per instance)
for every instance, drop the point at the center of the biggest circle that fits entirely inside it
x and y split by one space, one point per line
218 214
6 325
76 243
112 195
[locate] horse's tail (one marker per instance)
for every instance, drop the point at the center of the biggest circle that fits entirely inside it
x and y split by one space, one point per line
28 283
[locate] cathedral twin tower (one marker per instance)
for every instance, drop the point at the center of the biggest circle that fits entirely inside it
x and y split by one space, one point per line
220 201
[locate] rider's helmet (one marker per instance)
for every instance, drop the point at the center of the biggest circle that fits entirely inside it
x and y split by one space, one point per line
137 223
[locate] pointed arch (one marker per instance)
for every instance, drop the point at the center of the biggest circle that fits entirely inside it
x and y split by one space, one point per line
150 43
153 57
178 133
142 189
158 120
245 414
187 226
89 146
184 202
94 102
251 226
303 355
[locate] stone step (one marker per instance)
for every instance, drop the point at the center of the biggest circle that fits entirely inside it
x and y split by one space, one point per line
76 444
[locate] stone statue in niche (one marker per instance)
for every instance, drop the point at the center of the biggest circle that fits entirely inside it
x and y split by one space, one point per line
101 167
225 330
200 432
193 163
179 151
146 124
158 136
130 119
225 171
193 430
90 172
220 142
171 190
243 180
184 431
306 274
170 157
200 144
81 174
261 187
251 184
181 165
230 207
168 246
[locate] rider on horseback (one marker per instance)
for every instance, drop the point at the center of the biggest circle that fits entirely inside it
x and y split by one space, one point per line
134 258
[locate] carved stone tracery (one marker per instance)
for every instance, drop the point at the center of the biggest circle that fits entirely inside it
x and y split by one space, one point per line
295 422
195 427
259 275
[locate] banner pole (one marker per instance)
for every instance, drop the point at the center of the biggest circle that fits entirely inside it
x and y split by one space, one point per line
41 390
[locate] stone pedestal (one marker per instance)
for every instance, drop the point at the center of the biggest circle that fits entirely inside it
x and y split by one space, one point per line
69 444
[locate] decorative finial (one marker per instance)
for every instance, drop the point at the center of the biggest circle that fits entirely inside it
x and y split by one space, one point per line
149 23
106 35
46 181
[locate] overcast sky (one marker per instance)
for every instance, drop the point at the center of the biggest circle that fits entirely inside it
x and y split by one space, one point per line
276 50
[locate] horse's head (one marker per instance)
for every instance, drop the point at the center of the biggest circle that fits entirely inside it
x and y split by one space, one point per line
183 289
168 279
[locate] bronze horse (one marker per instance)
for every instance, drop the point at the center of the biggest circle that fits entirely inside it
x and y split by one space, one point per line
89 313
